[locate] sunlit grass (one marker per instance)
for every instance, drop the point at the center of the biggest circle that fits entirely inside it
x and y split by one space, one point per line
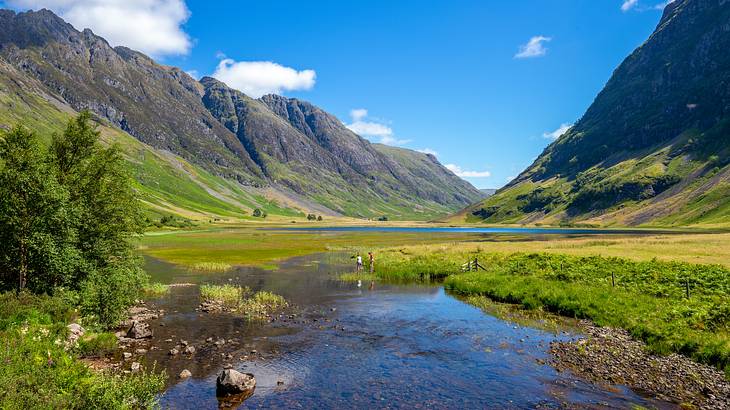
253 306
229 295
156 289
261 305
354 277
211 267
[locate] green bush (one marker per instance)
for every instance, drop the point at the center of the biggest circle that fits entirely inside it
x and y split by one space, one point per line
97 344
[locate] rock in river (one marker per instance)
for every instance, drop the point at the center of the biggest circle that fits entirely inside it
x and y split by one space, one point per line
139 330
233 382
185 374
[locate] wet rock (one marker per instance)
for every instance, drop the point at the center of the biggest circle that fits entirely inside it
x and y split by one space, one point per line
230 381
185 374
190 350
139 330
173 352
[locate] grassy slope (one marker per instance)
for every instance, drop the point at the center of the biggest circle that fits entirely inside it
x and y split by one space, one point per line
700 198
167 183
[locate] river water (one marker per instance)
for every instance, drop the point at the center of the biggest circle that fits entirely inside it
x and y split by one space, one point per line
392 346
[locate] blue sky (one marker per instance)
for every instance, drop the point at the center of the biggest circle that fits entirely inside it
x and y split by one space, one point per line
481 83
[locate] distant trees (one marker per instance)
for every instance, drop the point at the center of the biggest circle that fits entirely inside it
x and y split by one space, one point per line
259 213
313 217
68 215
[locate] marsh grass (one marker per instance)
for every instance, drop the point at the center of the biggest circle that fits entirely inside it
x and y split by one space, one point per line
211 267
354 277
253 306
228 295
261 305
155 289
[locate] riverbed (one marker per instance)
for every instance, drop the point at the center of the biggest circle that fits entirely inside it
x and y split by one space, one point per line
350 346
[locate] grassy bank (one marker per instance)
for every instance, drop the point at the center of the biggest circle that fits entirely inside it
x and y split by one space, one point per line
647 298
216 248
38 371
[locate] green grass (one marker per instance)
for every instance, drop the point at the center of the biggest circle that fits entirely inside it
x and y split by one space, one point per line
250 246
261 305
36 372
229 295
211 267
649 298
354 277
253 306
156 289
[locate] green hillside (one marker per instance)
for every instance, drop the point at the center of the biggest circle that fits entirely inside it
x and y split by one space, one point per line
654 147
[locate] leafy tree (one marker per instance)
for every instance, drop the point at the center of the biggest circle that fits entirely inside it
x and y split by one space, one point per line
319 218
257 213
311 217
68 217
36 237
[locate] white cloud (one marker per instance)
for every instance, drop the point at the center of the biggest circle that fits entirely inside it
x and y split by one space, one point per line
194 74
510 178
153 27
429 151
467 174
628 5
358 114
553 135
534 48
663 4
257 78
370 128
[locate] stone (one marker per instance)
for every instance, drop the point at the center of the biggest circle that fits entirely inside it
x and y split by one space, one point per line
231 381
190 350
185 374
141 351
139 330
75 331
135 367
127 355
173 352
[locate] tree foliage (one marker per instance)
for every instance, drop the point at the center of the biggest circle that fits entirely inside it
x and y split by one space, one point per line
68 215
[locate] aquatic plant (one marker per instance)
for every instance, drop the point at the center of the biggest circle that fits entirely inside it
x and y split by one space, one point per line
211 267
229 295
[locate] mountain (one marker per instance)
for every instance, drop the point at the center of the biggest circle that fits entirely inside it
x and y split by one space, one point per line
287 151
654 146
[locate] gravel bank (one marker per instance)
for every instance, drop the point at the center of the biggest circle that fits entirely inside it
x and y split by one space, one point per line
611 356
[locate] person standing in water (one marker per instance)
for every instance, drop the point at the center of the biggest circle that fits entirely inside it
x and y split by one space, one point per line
372 262
359 263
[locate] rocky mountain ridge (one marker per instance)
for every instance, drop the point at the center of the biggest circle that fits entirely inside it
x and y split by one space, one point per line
273 141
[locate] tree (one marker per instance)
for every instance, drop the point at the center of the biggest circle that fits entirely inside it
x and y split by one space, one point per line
257 213
36 238
68 217
311 217
319 218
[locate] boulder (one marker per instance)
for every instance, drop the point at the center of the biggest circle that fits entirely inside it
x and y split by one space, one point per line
230 381
185 374
75 331
139 330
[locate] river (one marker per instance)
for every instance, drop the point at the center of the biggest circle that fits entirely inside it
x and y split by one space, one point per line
392 346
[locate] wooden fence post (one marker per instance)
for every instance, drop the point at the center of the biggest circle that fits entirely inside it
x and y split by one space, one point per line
613 280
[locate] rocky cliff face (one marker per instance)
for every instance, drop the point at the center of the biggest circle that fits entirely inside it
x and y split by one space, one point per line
653 147
267 142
